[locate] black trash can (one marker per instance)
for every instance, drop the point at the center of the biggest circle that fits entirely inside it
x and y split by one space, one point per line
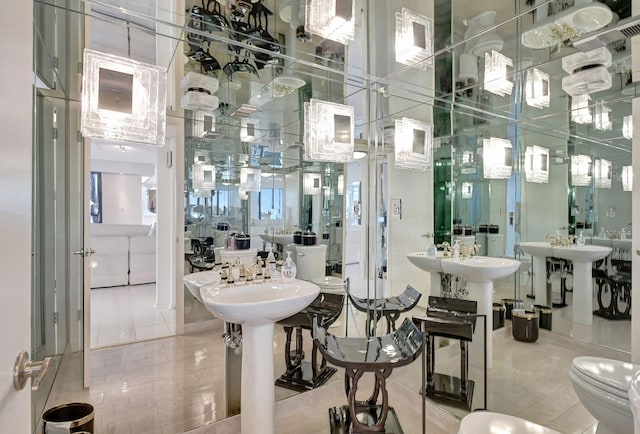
525 326
509 303
545 315
498 315
74 417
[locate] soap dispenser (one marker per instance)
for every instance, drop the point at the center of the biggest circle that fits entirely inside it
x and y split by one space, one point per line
288 269
580 241
432 250
271 261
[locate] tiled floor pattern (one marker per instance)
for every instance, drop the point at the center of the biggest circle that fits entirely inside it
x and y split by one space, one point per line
126 314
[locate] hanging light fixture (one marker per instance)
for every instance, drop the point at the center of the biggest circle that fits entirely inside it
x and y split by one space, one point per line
414 39
497 68
496 158
580 112
122 99
312 183
581 170
536 164
250 179
602 172
328 131
627 127
204 176
467 190
413 142
249 129
340 185
627 178
602 117
538 91
331 19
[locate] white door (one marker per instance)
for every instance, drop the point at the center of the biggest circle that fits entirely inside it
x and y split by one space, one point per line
16 34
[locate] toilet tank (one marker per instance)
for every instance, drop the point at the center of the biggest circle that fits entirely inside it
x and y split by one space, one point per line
310 261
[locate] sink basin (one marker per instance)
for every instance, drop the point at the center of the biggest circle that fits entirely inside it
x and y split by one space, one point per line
259 303
535 248
195 281
581 253
427 263
621 244
283 239
634 400
606 242
480 268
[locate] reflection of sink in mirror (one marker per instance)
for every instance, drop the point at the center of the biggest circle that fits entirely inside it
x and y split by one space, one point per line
535 248
480 268
283 239
426 262
581 253
195 281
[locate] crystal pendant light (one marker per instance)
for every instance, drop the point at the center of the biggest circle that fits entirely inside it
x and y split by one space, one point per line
413 142
496 158
602 117
627 178
602 172
536 164
581 170
331 19
627 127
537 90
496 71
414 39
250 179
580 112
328 131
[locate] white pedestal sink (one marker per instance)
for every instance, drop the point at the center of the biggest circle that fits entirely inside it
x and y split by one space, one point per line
634 401
539 251
257 307
582 258
430 264
480 272
195 281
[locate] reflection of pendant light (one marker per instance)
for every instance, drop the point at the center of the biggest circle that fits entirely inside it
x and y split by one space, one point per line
413 142
496 71
204 176
627 178
627 127
581 170
587 72
331 19
536 164
328 131
538 90
580 112
340 185
496 158
602 172
250 179
414 39
602 117
122 99
249 129
467 190
312 183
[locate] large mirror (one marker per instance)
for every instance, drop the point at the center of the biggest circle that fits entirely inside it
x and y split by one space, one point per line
249 181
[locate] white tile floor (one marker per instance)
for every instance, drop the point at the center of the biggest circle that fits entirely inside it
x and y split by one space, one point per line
177 384
126 314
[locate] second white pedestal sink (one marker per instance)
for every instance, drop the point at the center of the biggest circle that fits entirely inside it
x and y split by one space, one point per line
257 307
425 262
539 252
582 258
195 281
480 272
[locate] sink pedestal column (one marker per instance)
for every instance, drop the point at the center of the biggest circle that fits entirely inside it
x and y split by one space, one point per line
539 264
482 292
582 293
257 401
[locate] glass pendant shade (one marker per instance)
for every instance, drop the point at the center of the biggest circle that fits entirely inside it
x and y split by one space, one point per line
580 111
249 130
414 39
328 131
581 170
602 172
122 99
496 71
250 179
538 91
331 19
204 176
413 142
467 190
536 164
627 127
496 158
312 183
602 117
627 178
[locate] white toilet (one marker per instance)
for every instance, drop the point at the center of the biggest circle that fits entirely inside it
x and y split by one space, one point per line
602 387
634 400
483 422
310 261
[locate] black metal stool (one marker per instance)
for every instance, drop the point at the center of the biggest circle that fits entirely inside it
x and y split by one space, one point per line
378 355
389 307
302 375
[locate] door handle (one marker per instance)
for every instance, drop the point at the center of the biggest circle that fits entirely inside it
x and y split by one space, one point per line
25 368
84 252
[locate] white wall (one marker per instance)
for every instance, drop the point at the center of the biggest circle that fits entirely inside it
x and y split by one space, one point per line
121 199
